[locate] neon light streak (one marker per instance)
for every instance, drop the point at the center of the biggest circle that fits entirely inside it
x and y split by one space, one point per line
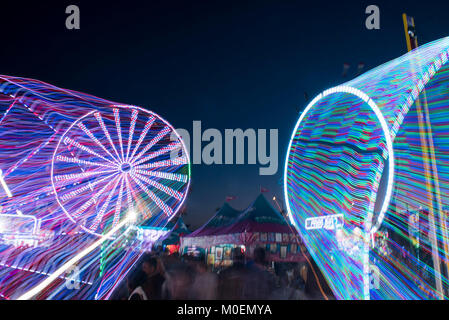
37 289
340 160
67 148
4 185
387 135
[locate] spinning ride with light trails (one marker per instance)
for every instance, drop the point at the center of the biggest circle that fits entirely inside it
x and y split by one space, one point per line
86 185
367 179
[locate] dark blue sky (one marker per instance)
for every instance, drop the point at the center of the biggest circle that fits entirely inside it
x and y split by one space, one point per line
230 64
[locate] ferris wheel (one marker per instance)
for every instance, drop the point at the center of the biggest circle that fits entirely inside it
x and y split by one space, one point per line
112 163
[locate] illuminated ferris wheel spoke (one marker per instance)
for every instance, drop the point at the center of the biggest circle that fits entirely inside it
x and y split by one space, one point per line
147 127
164 150
163 175
157 185
154 141
164 163
93 199
119 130
106 132
128 194
79 161
161 204
80 190
70 141
75 176
100 215
118 206
131 132
91 135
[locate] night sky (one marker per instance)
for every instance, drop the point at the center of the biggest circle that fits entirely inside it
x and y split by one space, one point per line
230 64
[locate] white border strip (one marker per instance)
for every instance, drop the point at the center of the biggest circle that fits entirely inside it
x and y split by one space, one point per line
41 286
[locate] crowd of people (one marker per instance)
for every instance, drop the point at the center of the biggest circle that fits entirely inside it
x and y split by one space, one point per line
160 277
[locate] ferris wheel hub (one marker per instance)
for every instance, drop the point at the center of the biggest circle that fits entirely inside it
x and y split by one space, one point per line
125 167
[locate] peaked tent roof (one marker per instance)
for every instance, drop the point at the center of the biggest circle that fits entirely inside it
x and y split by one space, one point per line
260 216
223 217
180 229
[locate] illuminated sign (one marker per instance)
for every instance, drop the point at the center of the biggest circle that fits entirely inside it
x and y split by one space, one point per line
18 224
149 235
19 230
330 222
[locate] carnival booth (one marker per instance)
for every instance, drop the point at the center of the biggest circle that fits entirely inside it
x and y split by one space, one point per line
170 242
200 237
260 225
